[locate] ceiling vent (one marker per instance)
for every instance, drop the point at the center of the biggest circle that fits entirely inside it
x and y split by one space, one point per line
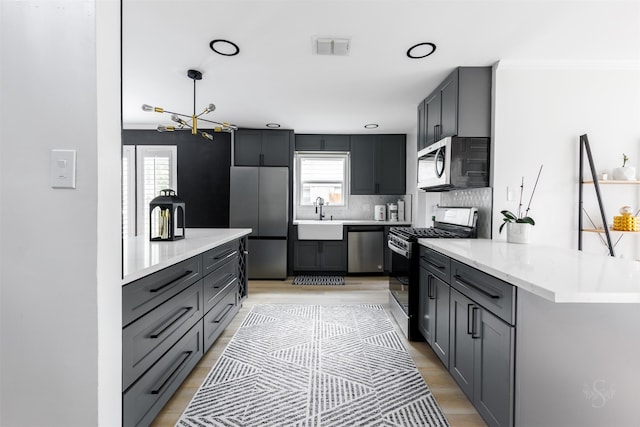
331 46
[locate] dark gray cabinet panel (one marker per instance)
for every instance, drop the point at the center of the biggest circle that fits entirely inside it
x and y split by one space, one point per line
216 257
320 255
313 142
439 301
219 282
142 402
145 294
219 317
254 147
146 339
459 106
424 314
378 164
461 343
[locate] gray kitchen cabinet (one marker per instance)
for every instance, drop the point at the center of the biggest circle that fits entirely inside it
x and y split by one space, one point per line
434 301
255 147
459 106
482 341
170 318
378 164
320 255
316 142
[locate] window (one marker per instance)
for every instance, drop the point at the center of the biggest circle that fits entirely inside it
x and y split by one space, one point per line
322 175
146 169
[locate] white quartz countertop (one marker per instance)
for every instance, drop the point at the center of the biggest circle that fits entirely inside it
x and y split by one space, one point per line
142 257
356 222
556 274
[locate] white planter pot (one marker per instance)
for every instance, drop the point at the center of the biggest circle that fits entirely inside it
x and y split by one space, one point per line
518 232
627 173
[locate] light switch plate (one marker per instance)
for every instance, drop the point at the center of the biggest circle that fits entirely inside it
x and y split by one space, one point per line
63 169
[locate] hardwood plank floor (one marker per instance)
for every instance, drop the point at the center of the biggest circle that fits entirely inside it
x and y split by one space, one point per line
357 290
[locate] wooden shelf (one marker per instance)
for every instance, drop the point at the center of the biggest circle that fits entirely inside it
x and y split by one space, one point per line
601 230
612 181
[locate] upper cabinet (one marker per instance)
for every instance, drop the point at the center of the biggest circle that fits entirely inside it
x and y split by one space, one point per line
311 142
255 147
378 164
459 106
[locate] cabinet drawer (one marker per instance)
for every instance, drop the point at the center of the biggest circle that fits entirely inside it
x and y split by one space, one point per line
144 400
493 294
436 263
143 295
220 315
217 283
149 337
214 258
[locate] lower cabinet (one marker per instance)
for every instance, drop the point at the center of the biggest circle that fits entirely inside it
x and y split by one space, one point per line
482 359
433 310
164 342
320 255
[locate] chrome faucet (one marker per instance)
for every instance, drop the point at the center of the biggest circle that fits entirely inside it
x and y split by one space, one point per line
319 203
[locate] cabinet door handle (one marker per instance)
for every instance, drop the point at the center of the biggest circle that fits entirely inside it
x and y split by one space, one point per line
469 320
224 313
431 263
474 323
430 288
224 255
173 282
261 159
460 280
233 277
179 315
178 364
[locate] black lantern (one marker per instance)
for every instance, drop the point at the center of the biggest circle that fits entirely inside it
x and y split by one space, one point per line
166 217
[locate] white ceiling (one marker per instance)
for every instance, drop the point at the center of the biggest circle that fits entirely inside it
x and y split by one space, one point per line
277 78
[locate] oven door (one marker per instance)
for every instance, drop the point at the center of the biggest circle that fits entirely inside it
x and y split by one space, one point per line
399 279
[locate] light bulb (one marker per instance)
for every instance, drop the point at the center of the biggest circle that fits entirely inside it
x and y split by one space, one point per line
163 128
207 135
210 108
146 107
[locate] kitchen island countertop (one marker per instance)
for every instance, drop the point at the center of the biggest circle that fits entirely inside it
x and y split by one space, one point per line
142 257
556 274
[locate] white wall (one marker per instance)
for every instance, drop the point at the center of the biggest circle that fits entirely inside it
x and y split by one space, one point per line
52 280
540 110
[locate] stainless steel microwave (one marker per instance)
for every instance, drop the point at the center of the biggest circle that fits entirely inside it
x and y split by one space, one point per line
454 163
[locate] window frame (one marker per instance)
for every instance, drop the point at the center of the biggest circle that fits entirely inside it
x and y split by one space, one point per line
129 191
299 155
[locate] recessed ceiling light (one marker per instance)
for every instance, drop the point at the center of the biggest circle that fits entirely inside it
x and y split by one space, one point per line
421 50
224 47
272 125
371 126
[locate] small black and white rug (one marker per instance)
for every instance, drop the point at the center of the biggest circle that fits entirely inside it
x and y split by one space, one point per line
314 366
318 280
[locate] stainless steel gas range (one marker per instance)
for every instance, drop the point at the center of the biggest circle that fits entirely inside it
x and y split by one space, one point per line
450 223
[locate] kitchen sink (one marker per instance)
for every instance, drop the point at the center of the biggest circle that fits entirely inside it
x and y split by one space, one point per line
319 230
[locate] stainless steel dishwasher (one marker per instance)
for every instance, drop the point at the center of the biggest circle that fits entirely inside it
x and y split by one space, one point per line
366 249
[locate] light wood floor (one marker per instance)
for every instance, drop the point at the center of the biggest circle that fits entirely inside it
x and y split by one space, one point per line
368 290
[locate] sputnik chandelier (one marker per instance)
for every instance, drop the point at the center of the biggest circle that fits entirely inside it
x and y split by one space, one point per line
192 120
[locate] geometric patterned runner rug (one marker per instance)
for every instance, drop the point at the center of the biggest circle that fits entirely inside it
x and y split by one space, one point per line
314 366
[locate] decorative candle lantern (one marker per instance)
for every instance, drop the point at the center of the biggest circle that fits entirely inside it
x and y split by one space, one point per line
166 217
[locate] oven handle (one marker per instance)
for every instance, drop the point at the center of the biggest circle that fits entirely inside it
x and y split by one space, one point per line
397 249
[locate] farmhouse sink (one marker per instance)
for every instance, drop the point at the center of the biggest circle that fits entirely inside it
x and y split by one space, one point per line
319 230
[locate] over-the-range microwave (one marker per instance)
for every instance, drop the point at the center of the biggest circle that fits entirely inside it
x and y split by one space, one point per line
454 163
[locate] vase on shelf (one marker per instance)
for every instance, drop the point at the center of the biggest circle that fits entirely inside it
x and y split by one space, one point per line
518 232
624 173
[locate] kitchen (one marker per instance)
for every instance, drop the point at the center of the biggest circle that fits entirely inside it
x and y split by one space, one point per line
602 72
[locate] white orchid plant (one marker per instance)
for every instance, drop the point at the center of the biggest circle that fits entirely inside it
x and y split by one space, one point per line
521 216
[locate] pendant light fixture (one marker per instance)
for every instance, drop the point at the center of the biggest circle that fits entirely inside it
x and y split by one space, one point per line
192 120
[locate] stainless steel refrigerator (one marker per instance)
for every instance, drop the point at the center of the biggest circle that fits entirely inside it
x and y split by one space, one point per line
259 199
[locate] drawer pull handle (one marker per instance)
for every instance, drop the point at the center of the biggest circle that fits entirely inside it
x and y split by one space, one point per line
178 364
224 313
439 267
477 288
173 282
183 312
430 288
469 320
233 277
225 255
474 323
